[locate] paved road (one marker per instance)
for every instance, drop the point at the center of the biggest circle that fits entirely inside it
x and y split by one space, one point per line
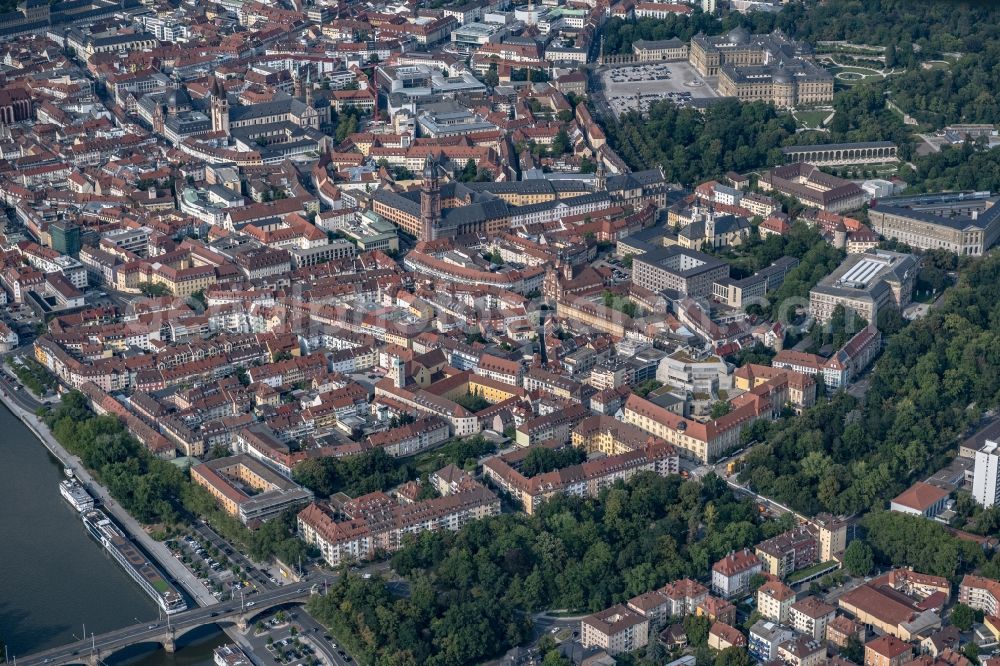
156 631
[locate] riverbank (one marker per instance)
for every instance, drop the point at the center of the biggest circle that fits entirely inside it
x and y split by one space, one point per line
156 550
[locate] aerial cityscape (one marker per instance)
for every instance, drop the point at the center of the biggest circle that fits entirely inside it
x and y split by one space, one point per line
455 332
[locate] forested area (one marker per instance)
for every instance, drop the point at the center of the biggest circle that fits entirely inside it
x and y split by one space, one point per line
967 167
899 539
472 590
935 27
931 384
692 147
354 475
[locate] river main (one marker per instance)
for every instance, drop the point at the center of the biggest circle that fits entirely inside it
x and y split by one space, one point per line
53 577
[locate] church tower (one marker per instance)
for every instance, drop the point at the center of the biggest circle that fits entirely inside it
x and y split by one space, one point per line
602 176
309 88
158 119
710 226
220 108
430 200
296 83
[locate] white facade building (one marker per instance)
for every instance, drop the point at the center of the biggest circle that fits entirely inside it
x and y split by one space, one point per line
985 486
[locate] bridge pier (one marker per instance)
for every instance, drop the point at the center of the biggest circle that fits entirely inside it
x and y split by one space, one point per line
94 659
169 644
242 623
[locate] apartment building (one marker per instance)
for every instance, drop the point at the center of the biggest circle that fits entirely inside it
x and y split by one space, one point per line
722 636
840 630
802 651
986 475
413 437
355 529
887 651
616 630
810 616
765 637
556 426
774 601
608 435
585 480
679 598
832 535
788 552
980 593
500 369
731 575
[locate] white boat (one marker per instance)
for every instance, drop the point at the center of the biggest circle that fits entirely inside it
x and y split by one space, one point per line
230 655
76 495
135 563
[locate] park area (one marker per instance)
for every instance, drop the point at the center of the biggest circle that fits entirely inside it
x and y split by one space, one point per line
850 75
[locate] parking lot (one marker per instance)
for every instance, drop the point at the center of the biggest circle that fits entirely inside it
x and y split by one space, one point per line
291 637
216 568
637 86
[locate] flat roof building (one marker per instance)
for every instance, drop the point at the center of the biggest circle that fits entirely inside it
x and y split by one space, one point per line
247 490
965 223
864 283
675 269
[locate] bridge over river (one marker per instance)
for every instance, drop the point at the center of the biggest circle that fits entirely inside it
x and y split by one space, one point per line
94 649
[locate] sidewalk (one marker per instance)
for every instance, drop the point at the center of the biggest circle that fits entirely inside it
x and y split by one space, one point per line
160 553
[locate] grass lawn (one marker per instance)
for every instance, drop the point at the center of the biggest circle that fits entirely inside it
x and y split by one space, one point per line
811 571
811 118
848 76
936 64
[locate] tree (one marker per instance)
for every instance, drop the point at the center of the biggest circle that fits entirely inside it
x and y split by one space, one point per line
854 650
553 658
154 289
719 409
963 617
468 174
733 656
971 651
561 143
696 627
491 78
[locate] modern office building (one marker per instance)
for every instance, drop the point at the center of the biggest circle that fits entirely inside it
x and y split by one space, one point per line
65 237
684 272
